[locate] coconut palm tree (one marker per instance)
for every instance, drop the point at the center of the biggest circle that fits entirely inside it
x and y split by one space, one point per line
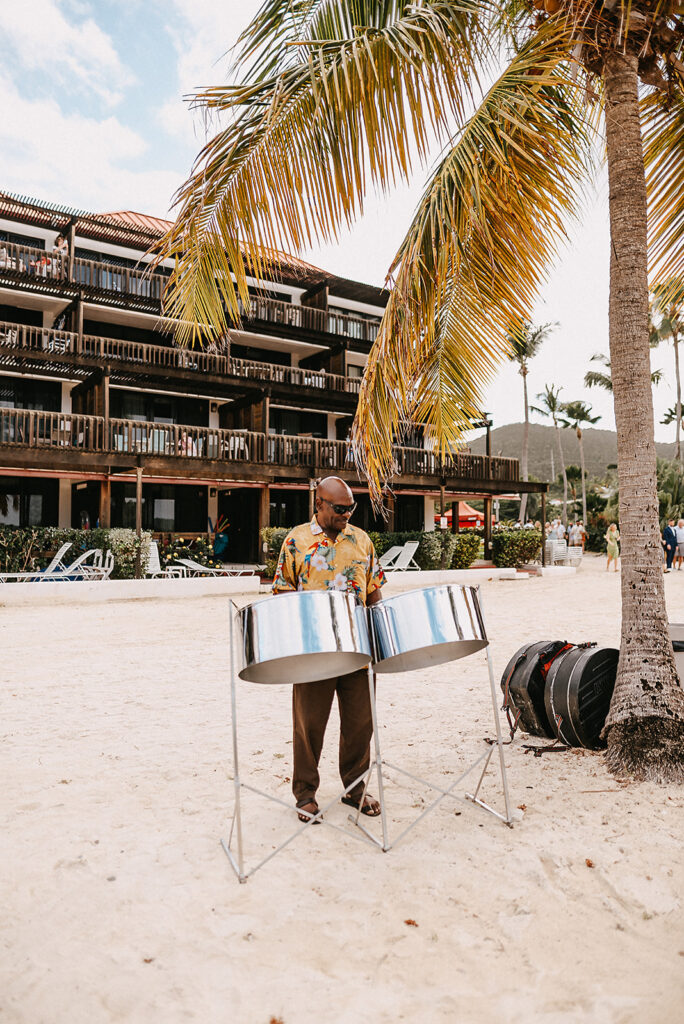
668 325
575 415
525 341
599 379
551 408
330 98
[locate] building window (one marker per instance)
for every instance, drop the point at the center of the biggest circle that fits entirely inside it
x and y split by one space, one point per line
165 507
28 502
21 393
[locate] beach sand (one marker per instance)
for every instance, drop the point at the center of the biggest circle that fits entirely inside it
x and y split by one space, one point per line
120 905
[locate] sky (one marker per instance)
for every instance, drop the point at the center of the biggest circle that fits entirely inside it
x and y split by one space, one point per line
94 117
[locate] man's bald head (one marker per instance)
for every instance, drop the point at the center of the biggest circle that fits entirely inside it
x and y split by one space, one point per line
333 491
333 488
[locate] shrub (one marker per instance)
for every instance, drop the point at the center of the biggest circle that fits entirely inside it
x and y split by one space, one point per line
511 548
199 550
25 548
460 549
466 551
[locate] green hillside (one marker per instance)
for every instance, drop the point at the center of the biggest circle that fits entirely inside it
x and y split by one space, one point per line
600 448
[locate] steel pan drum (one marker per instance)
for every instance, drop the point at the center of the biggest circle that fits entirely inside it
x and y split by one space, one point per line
426 627
302 637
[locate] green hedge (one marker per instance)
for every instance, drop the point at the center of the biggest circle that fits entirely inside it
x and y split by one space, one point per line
460 549
23 549
199 550
512 548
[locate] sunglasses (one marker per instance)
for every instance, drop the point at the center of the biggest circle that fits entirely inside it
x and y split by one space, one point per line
340 510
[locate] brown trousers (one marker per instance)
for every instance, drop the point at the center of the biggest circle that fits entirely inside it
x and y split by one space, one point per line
311 704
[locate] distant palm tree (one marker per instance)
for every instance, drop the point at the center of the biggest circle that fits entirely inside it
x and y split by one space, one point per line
551 408
667 318
525 341
596 379
577 413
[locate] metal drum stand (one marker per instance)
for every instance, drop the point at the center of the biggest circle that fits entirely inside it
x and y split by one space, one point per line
456 621
272 645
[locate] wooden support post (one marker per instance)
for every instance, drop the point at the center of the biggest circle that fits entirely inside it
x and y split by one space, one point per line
105 504
312 497
79 320
71 239
138 515
264 510
543 527
488 529
391 512
455 518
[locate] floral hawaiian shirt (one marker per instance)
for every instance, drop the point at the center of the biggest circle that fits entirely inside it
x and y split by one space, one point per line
311 561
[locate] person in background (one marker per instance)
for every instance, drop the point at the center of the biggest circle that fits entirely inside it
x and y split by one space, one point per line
612 538
669 544
679 530
574 540
582 534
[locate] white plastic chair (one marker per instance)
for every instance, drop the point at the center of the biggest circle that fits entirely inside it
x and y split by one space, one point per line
390 555
195 569
154 568
405 560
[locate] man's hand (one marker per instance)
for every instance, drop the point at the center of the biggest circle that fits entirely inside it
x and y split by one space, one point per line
374 598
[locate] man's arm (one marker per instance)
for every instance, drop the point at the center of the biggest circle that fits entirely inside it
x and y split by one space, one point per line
374 598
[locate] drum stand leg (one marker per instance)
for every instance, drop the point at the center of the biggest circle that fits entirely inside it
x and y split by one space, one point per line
237 862
499 743
473 797
376 765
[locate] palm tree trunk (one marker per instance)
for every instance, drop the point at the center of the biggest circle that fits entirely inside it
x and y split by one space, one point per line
525 444
645 725
678 410
584 484
565 475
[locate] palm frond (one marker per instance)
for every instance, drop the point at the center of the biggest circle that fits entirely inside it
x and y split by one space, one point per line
663 130
484 234
302 146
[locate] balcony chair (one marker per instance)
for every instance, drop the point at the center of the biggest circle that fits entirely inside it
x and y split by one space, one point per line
405 561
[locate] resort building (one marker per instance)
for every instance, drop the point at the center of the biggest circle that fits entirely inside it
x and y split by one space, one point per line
97 400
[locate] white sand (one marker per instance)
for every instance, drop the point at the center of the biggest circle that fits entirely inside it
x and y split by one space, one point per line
119 904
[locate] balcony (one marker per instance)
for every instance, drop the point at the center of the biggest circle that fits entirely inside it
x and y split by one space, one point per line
306 319
61 347
143 288
56 433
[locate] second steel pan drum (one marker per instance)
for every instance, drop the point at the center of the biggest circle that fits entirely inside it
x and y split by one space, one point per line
302 637
426 627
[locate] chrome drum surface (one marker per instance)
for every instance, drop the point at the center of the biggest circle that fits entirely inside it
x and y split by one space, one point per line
302 637
426 627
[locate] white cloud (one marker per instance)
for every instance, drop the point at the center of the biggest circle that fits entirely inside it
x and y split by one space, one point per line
202 34
65 52
76 160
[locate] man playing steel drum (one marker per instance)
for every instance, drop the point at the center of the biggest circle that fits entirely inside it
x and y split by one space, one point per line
330 554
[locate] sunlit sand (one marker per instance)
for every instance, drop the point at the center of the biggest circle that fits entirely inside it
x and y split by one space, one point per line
120 905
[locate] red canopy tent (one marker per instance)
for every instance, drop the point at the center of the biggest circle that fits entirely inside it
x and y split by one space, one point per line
467 516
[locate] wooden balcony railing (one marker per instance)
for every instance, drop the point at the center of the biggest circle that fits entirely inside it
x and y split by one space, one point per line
321 321
43 339
30 429
138 281
27 261
142 282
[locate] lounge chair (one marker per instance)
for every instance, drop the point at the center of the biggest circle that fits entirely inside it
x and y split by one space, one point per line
405 560
195 569
390 555
78 570
154 568
35 577
243 569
